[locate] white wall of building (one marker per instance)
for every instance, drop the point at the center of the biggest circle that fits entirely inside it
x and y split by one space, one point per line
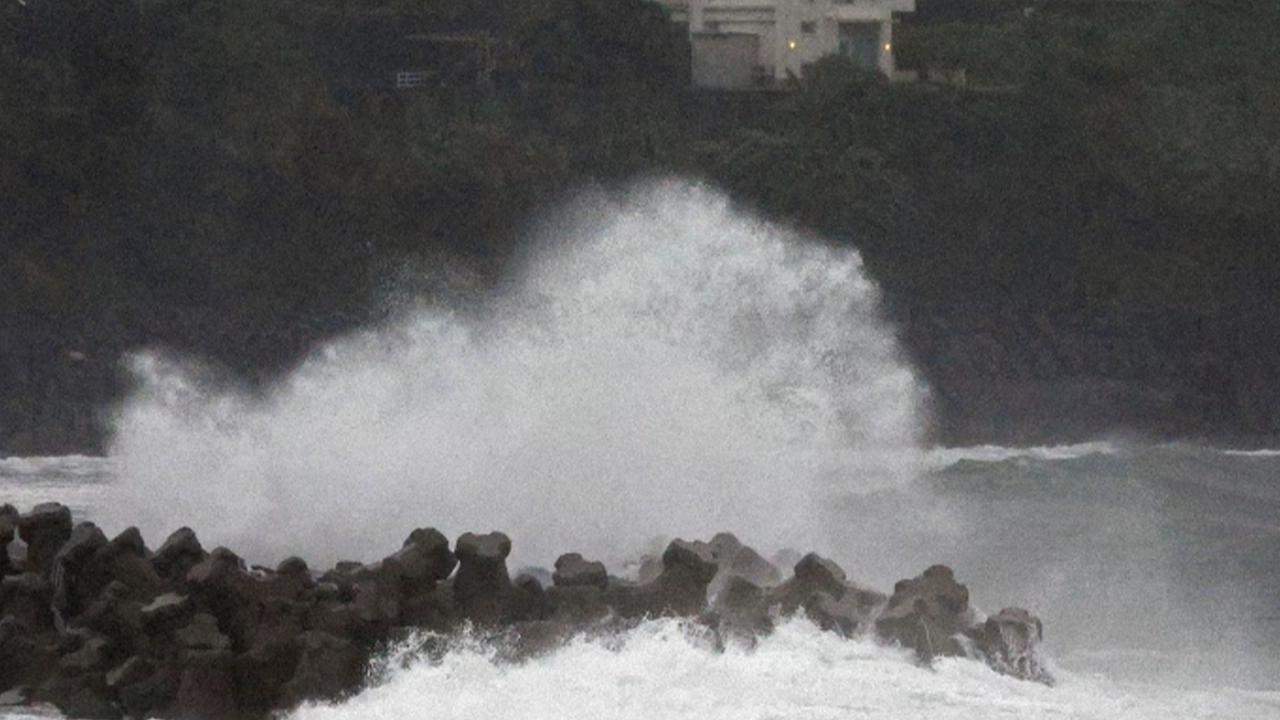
794 33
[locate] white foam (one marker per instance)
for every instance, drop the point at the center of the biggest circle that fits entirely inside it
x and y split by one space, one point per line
940 457
660 672
1265 453
30 713
83 466
663 365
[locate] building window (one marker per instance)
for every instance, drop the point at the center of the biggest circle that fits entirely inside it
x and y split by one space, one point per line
860 41
406 79
809 27
711 26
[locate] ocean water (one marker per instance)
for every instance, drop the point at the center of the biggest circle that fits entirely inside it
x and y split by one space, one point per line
77 481
1154 569
663 364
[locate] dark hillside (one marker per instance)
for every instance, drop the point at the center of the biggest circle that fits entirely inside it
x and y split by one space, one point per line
1081 239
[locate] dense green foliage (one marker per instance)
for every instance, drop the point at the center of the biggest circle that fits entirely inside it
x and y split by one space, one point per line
205 173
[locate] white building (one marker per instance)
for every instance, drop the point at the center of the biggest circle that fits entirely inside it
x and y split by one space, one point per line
751 43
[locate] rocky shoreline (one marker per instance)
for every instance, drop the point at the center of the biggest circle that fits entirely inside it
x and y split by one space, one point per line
106 628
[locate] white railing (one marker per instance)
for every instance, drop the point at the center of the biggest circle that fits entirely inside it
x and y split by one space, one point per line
865 8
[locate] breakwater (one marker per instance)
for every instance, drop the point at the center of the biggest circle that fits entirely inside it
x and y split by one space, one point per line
109 628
